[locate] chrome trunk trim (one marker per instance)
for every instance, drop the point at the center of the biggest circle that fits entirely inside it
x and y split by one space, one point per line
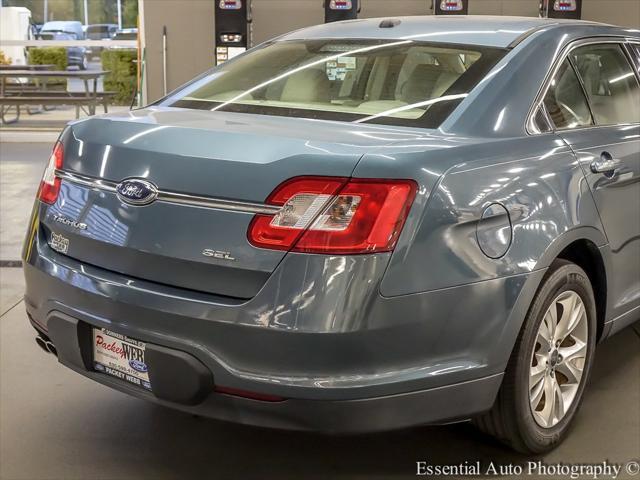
173 197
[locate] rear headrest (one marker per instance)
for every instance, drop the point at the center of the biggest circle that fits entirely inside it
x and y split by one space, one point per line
309 85
590 70
427 81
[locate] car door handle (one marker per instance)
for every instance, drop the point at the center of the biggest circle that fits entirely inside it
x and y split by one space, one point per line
605 164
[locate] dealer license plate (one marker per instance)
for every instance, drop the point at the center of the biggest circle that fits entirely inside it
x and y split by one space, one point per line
120 356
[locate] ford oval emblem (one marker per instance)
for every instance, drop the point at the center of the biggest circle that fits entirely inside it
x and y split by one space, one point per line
138 366
136 191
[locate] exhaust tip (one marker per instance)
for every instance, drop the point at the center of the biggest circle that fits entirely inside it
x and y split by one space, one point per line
52 348
42 344
47 346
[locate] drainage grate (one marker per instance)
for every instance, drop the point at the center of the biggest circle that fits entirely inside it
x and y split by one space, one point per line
10 263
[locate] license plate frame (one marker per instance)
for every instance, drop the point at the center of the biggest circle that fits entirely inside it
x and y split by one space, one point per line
121 357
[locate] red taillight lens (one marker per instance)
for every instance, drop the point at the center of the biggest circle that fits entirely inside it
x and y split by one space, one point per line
335 216
50 184
301 199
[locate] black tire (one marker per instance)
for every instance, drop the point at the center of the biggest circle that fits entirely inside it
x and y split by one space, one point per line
510 420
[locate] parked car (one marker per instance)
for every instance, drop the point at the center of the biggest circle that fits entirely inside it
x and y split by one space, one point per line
73 27
76 55
358 226
125 34
100 31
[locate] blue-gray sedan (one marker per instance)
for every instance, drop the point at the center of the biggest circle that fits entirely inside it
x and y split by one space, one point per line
359 226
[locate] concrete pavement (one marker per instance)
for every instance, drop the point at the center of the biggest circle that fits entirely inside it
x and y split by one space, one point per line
21 168
56 424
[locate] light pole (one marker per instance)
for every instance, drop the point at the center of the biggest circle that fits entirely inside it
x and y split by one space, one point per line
46 11
86 12
119 14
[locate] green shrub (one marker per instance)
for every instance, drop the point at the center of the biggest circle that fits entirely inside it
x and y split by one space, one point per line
4 60
49 56
122 73
56 56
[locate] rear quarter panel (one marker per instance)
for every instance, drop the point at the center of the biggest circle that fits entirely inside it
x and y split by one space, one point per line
537 179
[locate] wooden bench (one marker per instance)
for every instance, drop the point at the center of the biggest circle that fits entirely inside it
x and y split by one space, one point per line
15 96
47 97
30 87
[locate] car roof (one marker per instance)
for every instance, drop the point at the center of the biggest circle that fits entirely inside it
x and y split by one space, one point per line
63 22
495 31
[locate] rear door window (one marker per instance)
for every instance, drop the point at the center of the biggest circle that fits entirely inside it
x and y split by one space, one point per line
610 83
565 101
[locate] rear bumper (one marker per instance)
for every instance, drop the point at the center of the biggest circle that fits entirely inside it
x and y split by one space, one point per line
345 359
189 387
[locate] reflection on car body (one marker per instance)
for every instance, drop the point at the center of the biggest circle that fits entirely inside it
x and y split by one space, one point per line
354 228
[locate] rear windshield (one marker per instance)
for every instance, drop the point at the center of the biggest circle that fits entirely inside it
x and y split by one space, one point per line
125 36
97 32
390 82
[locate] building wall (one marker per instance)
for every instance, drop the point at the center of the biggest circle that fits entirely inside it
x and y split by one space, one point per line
616 12
381 8
274 17
526 8
190 39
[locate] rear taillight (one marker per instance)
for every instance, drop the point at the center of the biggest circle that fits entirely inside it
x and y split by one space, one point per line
50 184
334 215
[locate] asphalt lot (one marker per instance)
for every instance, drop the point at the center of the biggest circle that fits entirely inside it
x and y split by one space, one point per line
55 424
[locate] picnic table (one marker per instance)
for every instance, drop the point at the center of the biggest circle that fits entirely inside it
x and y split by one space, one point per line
26 67
16 95
28 86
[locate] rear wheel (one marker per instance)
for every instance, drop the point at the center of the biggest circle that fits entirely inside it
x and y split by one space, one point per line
549 366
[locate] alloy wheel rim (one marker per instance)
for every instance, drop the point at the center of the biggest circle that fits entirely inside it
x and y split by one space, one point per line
558 359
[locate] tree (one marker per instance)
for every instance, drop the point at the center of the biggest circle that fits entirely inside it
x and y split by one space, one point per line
130 14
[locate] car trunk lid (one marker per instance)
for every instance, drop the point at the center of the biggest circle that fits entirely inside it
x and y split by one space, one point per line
213 171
